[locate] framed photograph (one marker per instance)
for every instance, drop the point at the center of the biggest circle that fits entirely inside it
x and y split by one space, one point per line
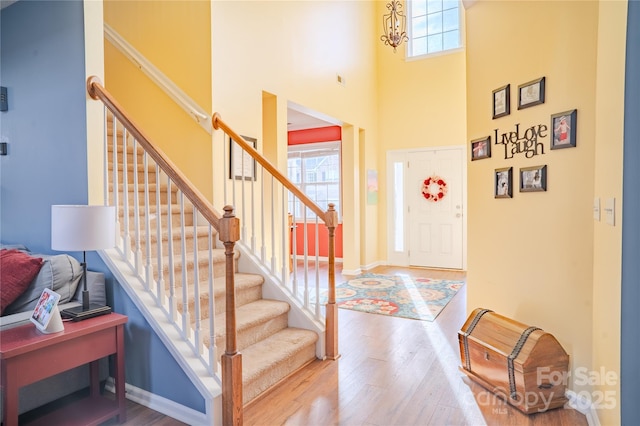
481 148
533 179
241 164
531 93
563 127
504 183
46 315
502 101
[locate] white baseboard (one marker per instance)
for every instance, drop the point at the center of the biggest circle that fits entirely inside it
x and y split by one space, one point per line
161 405
373 265
351 271
583 405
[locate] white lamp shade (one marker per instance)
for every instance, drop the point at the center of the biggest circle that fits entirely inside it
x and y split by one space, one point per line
82 228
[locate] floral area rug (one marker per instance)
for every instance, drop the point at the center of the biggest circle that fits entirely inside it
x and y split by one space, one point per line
397 295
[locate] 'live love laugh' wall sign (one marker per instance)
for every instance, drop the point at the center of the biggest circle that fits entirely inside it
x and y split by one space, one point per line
522 142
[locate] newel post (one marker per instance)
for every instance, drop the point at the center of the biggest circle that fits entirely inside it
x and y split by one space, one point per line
331 327
231 359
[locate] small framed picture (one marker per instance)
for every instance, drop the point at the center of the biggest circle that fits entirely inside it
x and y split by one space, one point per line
533 179
564 126
504 183
241 165
46 312
531 93
481 148
502 101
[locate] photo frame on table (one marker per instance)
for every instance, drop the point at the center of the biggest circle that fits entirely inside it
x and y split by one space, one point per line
46 315
241 164
564 126
501 101
531 93
503 183
533 179
481 148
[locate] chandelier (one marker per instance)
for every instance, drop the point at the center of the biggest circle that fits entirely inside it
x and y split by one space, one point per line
395 25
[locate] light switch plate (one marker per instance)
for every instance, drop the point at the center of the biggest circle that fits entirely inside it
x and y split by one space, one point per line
610 211
596 209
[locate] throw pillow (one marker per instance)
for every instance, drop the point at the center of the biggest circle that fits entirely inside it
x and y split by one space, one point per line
17 270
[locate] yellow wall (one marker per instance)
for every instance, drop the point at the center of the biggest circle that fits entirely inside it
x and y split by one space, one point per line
422 103
293 50
542 268
175 37
607 247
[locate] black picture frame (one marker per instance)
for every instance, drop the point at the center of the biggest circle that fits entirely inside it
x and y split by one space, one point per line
241 165
564 128
531 93
481 148
533 179
503 183
501 101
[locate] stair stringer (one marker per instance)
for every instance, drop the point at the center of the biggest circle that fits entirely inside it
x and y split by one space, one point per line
207 384
298 316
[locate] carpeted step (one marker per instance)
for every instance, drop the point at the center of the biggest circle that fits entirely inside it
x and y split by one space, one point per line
273 359
248 289
218 266
254 321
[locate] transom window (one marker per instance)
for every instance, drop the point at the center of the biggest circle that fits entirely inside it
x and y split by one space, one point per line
434 26
315 169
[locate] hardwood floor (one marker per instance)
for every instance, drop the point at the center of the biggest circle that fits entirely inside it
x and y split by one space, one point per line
392 371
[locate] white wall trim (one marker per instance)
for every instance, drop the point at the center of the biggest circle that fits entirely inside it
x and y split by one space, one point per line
161 405
584 406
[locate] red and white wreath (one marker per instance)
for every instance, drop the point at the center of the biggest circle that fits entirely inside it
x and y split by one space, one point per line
434 188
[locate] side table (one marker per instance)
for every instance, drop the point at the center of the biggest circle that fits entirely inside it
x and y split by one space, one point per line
27 356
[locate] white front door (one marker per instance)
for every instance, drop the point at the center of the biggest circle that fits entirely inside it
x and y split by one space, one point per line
434 198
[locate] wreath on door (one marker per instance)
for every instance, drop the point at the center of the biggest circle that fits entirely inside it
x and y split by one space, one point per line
434 188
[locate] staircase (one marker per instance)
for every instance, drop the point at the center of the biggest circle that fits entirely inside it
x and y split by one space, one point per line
271 349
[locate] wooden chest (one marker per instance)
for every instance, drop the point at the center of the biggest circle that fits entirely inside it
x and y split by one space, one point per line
524 365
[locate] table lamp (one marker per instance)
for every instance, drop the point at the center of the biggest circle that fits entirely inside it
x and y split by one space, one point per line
83 228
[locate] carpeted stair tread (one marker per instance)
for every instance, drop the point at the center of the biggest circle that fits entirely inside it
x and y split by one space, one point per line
243 281
261 356
252 314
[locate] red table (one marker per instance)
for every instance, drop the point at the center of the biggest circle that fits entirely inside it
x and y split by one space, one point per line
27 356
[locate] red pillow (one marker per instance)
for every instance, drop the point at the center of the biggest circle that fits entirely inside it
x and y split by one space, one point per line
17 270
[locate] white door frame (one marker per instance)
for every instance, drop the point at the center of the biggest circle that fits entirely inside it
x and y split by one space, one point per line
400 257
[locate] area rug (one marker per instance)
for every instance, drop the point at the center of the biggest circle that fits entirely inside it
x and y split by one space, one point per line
397 295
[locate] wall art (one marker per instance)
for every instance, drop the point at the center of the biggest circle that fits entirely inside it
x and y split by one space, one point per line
501 101
564 127
531 93
503 183
481 148
533 179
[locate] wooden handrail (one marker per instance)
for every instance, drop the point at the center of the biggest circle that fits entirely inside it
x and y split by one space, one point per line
98 92
218 123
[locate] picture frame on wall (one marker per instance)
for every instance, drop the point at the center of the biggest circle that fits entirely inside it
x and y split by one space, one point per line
531 93
241 165
533 179
481 148
564 126
503 183
501 101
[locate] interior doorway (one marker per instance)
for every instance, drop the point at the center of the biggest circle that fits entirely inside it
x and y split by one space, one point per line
427 225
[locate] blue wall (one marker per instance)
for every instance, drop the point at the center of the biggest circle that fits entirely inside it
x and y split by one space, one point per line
43 70
630 347
42 66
